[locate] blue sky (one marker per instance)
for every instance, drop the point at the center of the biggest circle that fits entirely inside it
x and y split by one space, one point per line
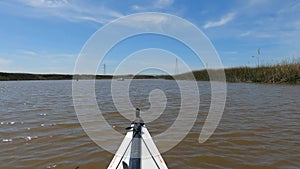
46 36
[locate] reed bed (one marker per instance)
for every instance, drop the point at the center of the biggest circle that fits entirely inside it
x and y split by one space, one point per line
287 71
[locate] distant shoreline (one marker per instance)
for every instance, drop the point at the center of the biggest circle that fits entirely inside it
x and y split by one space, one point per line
284 73
4 76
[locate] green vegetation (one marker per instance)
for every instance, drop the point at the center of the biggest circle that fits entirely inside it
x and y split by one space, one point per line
280 73
28 76
284 72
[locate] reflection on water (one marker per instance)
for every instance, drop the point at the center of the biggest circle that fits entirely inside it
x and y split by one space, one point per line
259 129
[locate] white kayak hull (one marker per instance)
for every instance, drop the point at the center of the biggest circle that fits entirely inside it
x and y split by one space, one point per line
150 157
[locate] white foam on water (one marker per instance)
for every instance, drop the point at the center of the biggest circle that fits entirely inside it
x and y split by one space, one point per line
7 140
28 138
51 166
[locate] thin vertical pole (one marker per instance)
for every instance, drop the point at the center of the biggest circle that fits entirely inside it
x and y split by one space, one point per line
176 67
104 69
258 52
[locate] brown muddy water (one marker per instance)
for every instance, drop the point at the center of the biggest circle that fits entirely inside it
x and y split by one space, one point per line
260 127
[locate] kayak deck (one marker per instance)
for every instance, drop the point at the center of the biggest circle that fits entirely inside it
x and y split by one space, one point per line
137 151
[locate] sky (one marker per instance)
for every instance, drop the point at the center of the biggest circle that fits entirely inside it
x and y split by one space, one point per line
46 36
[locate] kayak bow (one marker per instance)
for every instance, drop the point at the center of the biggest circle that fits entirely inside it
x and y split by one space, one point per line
137 151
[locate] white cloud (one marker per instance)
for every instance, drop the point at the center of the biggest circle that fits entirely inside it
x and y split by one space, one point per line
4 62
59 56
137 8
230 52
245 34
144 21
46 3
90 18
29 52
69 10
224 20
157 4
40 62
163 3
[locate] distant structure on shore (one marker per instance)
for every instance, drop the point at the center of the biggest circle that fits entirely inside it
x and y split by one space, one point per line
176 66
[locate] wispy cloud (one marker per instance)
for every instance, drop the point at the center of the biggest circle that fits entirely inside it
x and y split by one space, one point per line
68 10
89 18
245 34
230 52
224 20
39 62
4 62
29 52
45 3
155 5
137 8
143 21
58 56
163 3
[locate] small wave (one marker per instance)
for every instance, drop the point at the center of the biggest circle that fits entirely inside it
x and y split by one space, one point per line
7 140
44 125
52 166
11 122
28 138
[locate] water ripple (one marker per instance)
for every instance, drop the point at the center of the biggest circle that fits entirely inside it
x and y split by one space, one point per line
259 129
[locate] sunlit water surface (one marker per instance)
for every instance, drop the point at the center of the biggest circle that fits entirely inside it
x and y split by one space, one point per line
259 129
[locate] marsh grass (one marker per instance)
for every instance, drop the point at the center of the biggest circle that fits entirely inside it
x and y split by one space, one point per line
287 71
